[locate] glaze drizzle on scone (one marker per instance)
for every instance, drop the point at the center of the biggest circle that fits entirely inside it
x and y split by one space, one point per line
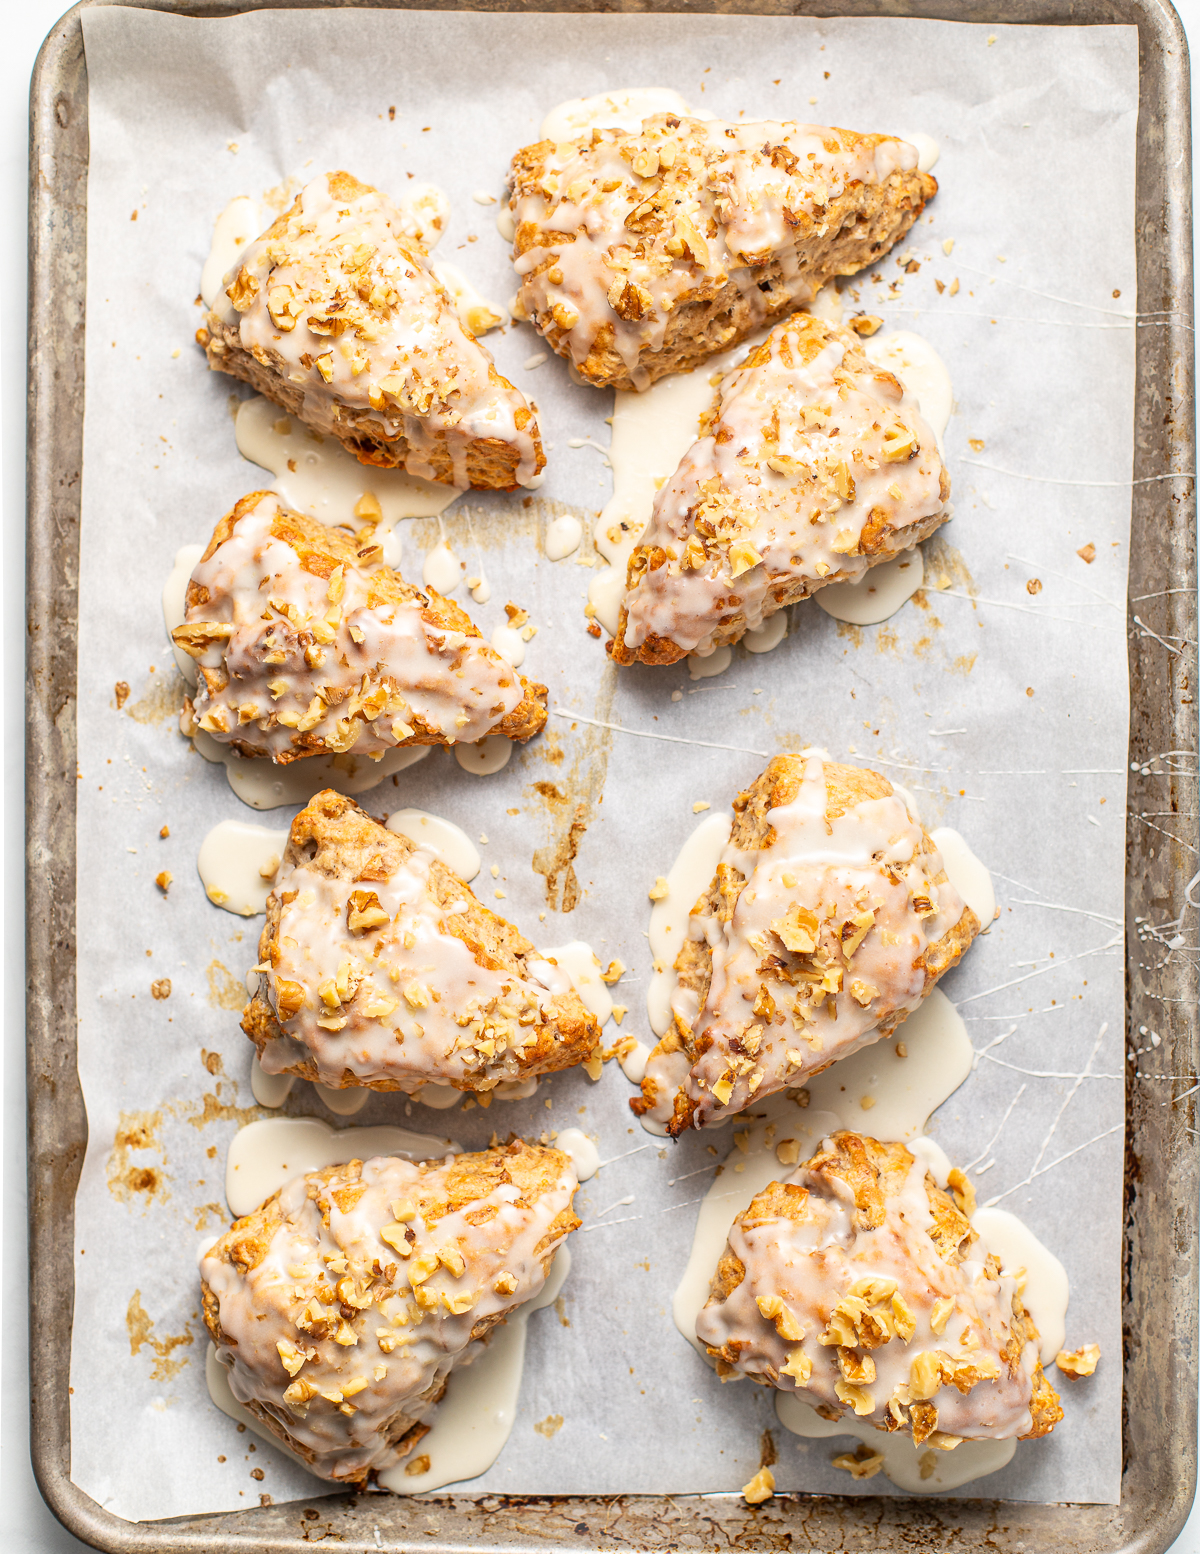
379 967
341 1305
334 313
815 465
643 254
308 645
860 1284
828 920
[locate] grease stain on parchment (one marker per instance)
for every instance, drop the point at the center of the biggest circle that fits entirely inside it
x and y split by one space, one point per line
134 1181
140 1327
217 1212
160 701
571 799
225 991
945 567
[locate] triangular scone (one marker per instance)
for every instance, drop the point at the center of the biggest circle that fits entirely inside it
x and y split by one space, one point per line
827 921
643 254
859 1284
335 314
307 644
341 1305
815 465
378 967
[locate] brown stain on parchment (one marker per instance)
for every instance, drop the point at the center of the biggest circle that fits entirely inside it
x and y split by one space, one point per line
964 663
921 600
768 1451
160 701
852 633
140 1327
571 798
887 639
132 1181
214 1211
225 991
214 1109
943 560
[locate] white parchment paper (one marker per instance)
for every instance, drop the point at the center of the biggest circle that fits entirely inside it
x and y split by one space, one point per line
1000 703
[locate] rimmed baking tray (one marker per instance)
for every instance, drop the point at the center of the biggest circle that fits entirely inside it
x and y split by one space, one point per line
1162 1180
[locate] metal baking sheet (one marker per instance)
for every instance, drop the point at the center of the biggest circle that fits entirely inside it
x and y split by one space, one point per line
1174 745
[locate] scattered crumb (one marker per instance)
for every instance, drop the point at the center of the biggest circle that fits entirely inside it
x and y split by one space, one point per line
660 890
787 1151
864 1462
161 989
549 1426
977 444
699 805
1078 1362
121 692
866 324
163 880
901 1050
1087 553
867 1102
165 832
418 1464
948 247
1034 585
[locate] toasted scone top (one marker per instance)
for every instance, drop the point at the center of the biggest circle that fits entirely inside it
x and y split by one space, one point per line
858 1283
338 290
342 1304
824 905
379 963
309 645
663 215
816 465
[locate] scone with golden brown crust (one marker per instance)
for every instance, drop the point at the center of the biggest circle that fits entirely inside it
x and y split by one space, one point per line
335 315
307 644
644 254
829 919
378 967
342 1304
860 1284
814 465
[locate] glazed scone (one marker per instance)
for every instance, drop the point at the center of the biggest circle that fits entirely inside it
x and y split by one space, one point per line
828 920
335 314
814 465
644 254
859 1284
342 1304
378 967
307 644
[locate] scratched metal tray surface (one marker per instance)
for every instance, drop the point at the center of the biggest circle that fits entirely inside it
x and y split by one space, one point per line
1161 1196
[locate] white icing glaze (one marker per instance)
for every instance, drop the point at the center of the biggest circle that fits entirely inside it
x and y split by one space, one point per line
582 1150
922 371
856 894
770 634
265 1155
412 1316
485 756
265 785
704 666
237 863
917 1469
234 229
476 312
315 474
441 837
563 535
928 150
440 1098
827 304
970 877
510 645
678 205
877 595
579 963
174 605
625 108
291 661
442 569
816 467
342 1103
506 225
375 984
1047 1290
687 880
343 303
633 1061
269 1090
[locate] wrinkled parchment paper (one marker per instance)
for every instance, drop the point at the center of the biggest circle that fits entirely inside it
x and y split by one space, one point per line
1001 704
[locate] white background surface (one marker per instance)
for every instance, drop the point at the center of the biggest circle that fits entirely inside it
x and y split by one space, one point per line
29 1526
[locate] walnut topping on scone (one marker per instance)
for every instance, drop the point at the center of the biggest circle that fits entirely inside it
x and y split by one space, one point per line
859 1284
828 920
815 465
378 967
308 645
643 254
335 314
342 1304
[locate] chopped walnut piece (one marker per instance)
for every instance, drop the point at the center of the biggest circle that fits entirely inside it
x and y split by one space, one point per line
660 890
863 1463
163 880
121 691
1087 553
161 989
761 1487
1078 1362
865 324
